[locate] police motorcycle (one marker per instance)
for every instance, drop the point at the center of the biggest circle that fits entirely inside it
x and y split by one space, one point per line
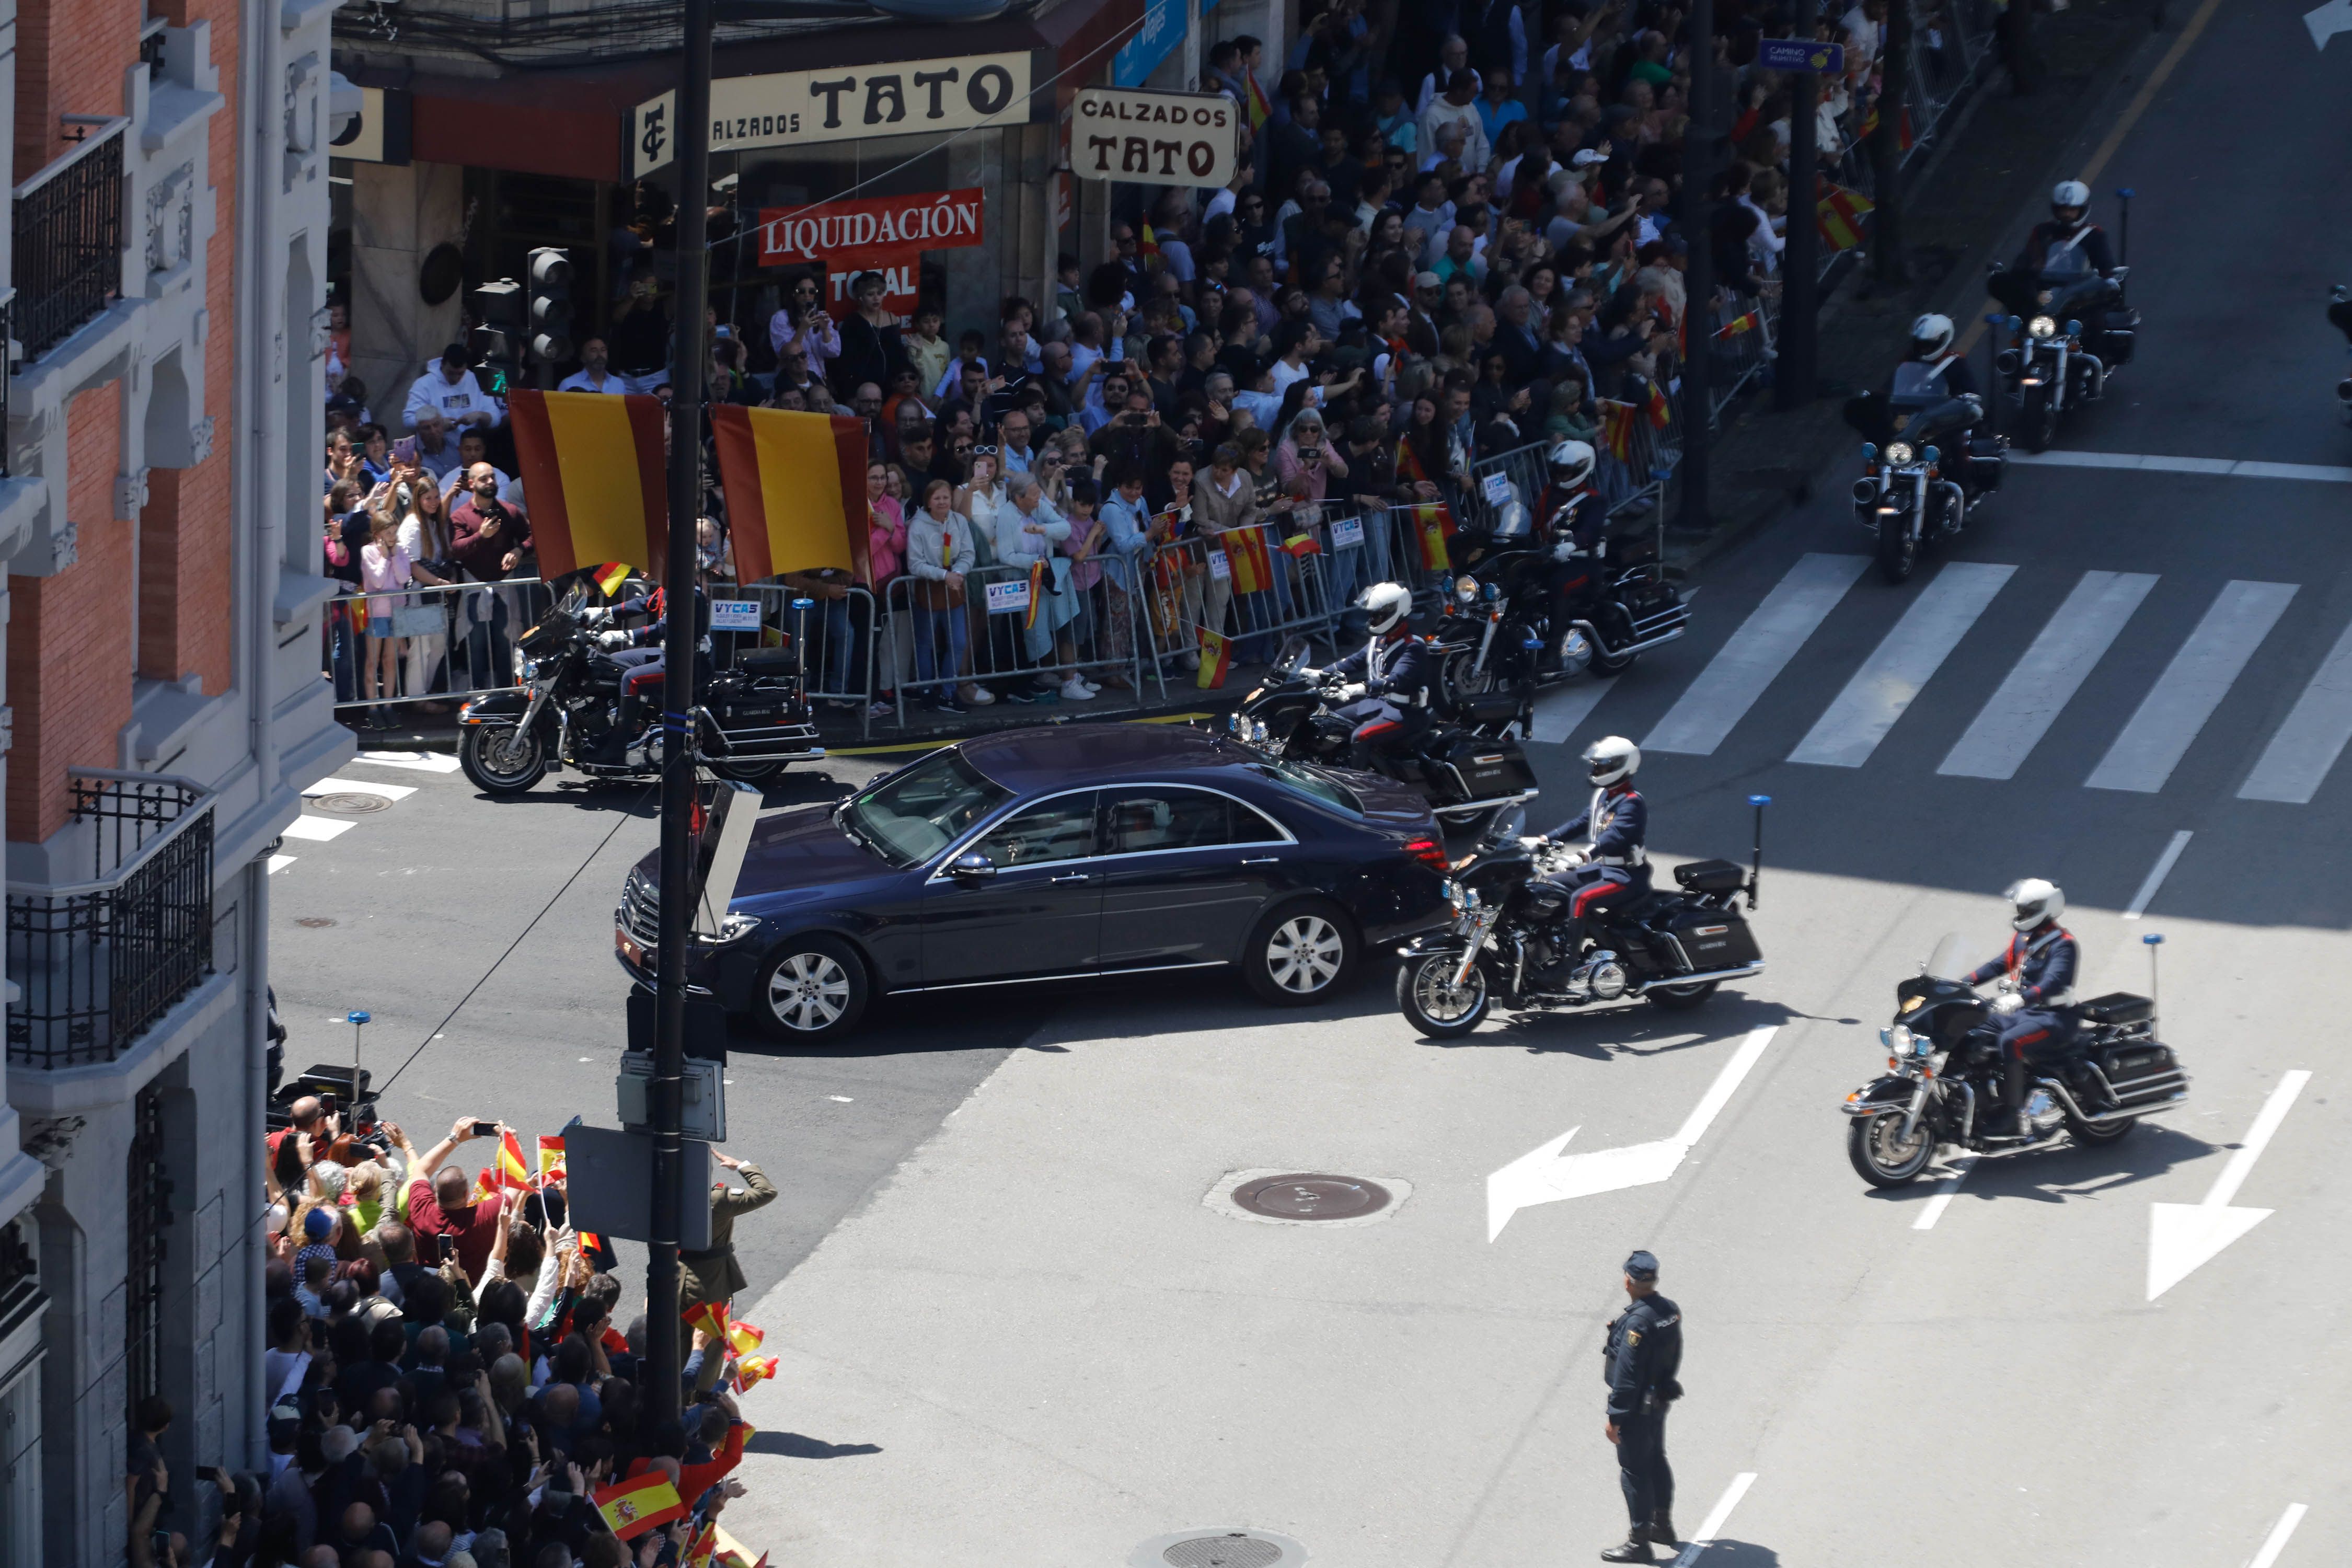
580 706
2339 314
1576 598
1943 1079
1510 941
1925 467
1469 763
2054 363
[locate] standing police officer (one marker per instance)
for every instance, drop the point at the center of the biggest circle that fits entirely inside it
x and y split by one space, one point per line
1643 1353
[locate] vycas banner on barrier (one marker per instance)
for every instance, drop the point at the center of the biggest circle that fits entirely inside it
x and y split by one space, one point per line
1153 138
849 236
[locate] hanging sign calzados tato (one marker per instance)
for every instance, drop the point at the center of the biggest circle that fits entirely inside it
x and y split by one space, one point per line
1153 138
792 109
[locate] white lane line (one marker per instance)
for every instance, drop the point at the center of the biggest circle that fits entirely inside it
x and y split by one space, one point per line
2191 687
423 762
2063 656
2157 874
2296 762
279 863
2279 1534
1903 662
2219 467
2267 1123
361 786
1766 641
1717 1518
318 829
1944 1191
1561 710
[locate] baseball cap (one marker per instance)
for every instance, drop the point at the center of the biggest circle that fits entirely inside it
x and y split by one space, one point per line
1427 280
1642 1265
1586 157
318 1225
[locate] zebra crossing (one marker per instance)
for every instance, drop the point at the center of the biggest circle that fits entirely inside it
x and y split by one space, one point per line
313 827
1942 616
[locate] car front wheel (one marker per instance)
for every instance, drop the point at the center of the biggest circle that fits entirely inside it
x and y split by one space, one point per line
1301 953
813 990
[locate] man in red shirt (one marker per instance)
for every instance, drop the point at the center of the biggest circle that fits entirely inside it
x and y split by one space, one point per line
437 1206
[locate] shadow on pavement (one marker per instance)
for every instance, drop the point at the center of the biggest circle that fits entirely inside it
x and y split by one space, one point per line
1626 1029
2055 1175
793 1445
1724 1553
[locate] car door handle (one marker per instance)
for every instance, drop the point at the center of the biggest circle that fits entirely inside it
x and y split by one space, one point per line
1069 877
1264 861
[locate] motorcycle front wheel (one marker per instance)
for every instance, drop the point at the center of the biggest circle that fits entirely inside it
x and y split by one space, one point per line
1462 678
1879 1153
1430 1001
2039 424
502 760
1898 552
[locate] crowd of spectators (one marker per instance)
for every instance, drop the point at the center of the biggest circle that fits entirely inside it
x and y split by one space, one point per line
455 1377
1457 232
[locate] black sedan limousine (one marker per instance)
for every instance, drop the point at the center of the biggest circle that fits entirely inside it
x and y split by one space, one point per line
1067 853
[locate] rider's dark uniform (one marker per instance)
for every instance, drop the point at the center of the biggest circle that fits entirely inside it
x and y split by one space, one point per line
2042 962
1395 670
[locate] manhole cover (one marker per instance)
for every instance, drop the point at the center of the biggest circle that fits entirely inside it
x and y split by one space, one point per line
1310 1197
351 803
316 923
1234 1551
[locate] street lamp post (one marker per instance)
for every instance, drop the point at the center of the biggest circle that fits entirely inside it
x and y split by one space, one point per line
1698 311
687 385
1792 380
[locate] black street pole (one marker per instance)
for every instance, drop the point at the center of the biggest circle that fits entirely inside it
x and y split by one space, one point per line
1792 378
689 381
1698 215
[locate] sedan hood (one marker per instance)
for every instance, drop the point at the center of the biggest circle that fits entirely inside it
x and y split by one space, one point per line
800 849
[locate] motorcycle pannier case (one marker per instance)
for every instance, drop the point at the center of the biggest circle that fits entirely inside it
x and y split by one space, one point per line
1712 938
1712 877
2117 1007
1988 460
1483 768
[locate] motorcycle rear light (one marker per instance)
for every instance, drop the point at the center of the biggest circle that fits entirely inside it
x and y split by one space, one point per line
1428 851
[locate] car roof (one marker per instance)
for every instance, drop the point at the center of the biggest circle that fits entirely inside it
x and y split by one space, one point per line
1025 761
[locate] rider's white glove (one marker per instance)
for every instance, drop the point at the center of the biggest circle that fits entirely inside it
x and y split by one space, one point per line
1532 844
612 639
1348 693
2008 1002
1312 676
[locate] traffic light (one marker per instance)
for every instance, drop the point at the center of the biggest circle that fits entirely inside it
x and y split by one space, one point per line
496 344
551 304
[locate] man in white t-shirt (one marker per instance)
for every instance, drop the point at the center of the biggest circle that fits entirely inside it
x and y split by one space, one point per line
448 388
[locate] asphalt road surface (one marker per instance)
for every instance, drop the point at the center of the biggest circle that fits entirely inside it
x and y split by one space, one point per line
1014 1328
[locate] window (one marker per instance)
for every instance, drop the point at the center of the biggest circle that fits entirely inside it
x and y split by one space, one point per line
149 1216
1062 829
915 813
1141 821
1313 784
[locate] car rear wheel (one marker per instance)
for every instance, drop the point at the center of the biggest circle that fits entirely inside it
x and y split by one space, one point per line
812 990
1301 952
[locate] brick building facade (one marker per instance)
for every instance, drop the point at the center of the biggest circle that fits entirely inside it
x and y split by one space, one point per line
165 264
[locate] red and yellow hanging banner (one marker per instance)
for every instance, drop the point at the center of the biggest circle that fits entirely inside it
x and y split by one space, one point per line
594 479
795 485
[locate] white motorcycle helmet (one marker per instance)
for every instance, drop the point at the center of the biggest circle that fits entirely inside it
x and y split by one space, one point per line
1931 334
1571 463
2034 900
1612 758
1385 605
2070 196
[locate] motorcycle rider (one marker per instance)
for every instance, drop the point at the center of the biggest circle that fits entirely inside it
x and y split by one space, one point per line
1617 858
2040 964
1930 375
2067 251
640 651
1386 684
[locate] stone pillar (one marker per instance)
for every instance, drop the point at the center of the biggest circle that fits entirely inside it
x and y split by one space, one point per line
977 278
399 213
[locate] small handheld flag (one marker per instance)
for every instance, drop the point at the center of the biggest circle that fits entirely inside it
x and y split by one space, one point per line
632 1508
1217 658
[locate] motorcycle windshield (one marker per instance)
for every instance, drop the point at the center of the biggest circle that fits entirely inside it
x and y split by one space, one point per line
1294 654
1950 960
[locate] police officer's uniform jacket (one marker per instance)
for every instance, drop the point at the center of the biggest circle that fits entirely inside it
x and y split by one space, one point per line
2043 961
2053 248
1642 1356
1946 376
1398 670
1619 822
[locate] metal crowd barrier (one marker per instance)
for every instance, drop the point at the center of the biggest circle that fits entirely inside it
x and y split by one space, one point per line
1216 583
455 642
990 639
838 646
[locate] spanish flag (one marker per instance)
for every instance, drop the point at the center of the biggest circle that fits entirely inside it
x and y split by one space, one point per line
1217 658
1903 127
1430 520
1301 545
1260 111
485 1186
732 1554
1253 568
743 1338
698 1550
1837 214
710 1317
594 479
1662 413
1617 429
1037 594
551 1159
512 1174
754 1369
795 485
632 1508
1741 325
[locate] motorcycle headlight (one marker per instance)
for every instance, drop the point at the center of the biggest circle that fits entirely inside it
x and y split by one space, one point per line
1466 589
1897 1039
2041 327
1898 453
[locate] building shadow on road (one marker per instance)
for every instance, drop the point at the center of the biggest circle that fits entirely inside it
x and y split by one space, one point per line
793 1445
2067 1171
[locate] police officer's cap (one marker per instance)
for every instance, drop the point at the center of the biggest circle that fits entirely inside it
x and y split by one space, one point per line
1642 1265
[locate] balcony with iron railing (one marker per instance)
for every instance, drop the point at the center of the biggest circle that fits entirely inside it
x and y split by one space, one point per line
98 962
67 223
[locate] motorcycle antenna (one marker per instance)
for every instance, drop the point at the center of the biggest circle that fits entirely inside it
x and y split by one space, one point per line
2124 194
1756 866
358 1021
2153 940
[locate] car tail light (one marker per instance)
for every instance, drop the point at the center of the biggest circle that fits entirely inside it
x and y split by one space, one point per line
1428 851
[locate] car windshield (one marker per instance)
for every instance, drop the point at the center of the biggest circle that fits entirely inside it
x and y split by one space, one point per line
915 813
1313 785
1950 959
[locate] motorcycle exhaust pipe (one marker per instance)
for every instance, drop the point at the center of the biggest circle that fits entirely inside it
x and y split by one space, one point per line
2101 1119
1642 646
1703 976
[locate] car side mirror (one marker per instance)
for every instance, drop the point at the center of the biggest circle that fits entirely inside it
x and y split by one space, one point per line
971 867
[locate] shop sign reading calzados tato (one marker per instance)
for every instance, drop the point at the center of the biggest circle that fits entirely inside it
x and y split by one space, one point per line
793 109
1153 138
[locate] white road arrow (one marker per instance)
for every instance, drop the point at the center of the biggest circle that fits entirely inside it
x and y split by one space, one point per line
2327 21
1543 1175
2182 1236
